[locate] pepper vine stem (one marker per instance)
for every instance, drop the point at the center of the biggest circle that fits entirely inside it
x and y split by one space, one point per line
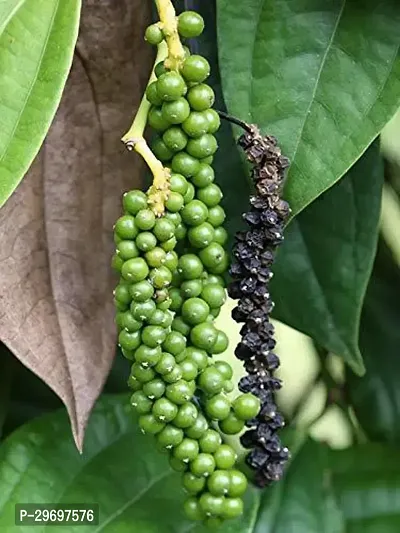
169 25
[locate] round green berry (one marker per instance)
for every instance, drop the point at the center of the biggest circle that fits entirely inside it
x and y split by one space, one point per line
238 484
148 424
176 299
189 369
155 257
196 124
185 164
135 269
170 86
174 343
164 410
231 425
145 219
188 197
126 227
198 429
141 403
175 139
186 416
134 201
216 216
210 441
175 202
191 288
218 407
221 236
129 323
179 392
193 484
171 261
204 336
178 183
147 356
175 112
224 369
177 464
195 311
156 120
204 177
122 294
213 257
180 326
170 436
129 340
190 24
134 383
195 69
160 277
166 364
211 505
116 263
225 457
152 94
153 34
211 381
221 344
199 357
187 450
203 465
153 336
164 229
146 241
194 213
141 291
142 374
201 97
193 510
202 147
143 310
211 195
160 69
154 390
232 508
202 235
190 266
169 245
161 150
219 482
214 295
246 406
214 122
173 376
127 250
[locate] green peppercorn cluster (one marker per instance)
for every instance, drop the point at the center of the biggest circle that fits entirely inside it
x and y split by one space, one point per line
171 289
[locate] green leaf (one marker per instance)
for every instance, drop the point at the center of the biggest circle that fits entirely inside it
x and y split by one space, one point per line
321 75
376 397
37 39
322 269
367 486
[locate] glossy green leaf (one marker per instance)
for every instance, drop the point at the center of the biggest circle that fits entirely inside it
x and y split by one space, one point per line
376 397
366 480
321 75
37 39
322 269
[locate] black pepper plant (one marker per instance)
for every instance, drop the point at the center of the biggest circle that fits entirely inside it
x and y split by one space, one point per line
172 258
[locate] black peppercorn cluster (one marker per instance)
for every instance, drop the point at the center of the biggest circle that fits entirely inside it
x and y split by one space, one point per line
254 253
171 289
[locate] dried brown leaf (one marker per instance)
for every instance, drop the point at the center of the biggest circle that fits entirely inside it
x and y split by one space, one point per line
56 305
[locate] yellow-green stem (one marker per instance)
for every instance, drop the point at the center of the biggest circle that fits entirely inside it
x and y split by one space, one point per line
169 25
134 140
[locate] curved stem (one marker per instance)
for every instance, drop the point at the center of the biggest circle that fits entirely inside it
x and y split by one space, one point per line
134 140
